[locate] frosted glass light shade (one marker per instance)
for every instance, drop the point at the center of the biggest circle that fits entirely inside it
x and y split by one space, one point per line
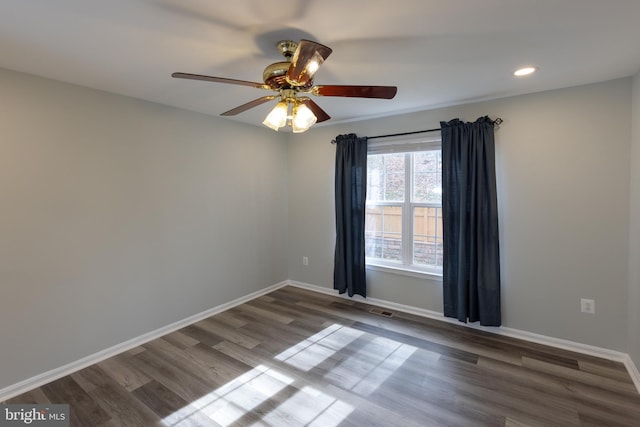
303 118
277 117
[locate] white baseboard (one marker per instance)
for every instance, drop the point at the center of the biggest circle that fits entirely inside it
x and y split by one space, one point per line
633 371
600 352
54 374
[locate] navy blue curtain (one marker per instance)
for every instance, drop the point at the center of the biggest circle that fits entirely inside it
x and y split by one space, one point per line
471 258
351 185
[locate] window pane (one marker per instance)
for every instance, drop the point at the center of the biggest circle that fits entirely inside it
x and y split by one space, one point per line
385 177
383 232
375 178
427 177
394 177
427 236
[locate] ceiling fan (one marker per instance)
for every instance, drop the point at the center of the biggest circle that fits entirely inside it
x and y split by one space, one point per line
292 79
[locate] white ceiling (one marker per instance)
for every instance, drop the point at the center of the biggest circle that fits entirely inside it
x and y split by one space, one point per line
438 52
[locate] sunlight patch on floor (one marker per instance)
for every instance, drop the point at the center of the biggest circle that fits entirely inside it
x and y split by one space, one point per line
309 407
231 401
274 397
379 373
314 350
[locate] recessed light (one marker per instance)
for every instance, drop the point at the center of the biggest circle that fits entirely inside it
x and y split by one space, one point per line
524 71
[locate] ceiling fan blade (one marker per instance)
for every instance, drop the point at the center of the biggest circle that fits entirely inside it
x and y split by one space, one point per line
248 105
305 62
383 92
320 114
219 80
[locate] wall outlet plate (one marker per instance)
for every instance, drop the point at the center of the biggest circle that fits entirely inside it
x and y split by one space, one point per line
587 306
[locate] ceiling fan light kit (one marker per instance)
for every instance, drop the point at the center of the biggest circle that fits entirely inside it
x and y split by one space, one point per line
303 118
291 111
277 118
291 78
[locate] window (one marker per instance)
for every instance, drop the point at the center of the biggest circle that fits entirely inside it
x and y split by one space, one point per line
403 226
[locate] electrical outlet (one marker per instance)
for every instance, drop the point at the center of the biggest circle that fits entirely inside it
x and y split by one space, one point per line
587 306
305 260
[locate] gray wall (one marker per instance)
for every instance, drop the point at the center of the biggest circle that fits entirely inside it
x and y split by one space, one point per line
563 182
634 241
120 216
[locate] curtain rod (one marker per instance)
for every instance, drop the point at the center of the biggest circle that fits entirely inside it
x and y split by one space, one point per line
497 121
405 133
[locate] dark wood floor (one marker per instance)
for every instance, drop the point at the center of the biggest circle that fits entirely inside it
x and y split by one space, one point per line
299 358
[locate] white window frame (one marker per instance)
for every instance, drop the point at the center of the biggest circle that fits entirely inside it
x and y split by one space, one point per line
406 146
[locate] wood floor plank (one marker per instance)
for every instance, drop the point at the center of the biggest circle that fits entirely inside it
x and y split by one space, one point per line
591 415
536 382
578 376
201 335
83 407
219 367
176 379
250 358
134 351
122 409
510 422
227 332
617 373
170 407
291 310
35 396
231 320
294 357
126 376
180 340
250 308
552 359
593 402
199 361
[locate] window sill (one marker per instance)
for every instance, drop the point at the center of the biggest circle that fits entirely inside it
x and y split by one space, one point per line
406 271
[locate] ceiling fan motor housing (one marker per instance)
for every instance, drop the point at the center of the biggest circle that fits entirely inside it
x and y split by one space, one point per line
274 74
